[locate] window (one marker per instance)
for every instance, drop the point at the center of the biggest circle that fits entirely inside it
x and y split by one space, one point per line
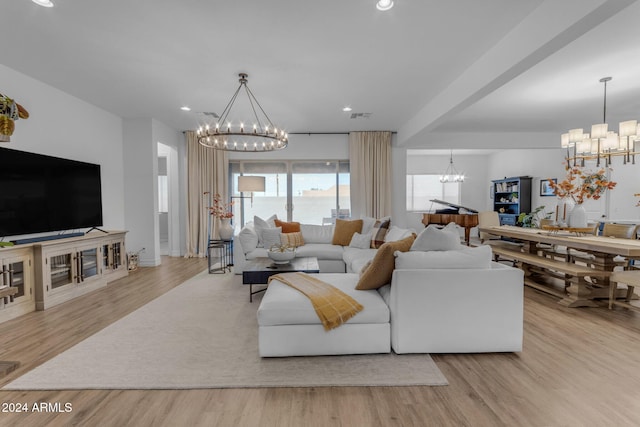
311 192
423 188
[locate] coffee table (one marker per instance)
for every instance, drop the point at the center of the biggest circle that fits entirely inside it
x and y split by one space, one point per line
257 271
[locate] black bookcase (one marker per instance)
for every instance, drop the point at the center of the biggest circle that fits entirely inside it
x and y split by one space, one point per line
511 197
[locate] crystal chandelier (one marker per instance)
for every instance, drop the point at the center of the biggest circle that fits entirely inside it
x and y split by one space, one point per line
602 143
451 174
233 137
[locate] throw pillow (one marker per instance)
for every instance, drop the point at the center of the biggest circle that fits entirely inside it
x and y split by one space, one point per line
260 224
364 268
465 258
344 230
435 239
368 223
292 239
379 232
272 236
360 241
397 233
380 271
288 227
248 239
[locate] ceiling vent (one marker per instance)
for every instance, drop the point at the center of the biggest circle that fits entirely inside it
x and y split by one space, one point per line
360 115
209 113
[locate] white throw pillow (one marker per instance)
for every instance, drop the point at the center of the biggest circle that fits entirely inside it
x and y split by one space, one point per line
262 224
248 239
360 241
433 238
396 233
272 236
465 258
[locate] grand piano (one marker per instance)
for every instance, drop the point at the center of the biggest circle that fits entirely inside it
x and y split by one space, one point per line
464 217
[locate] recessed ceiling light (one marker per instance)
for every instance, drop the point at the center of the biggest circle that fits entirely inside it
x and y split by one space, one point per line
384 4
45 3
185 108
346 109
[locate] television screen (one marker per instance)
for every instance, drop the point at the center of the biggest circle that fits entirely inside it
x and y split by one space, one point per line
42 193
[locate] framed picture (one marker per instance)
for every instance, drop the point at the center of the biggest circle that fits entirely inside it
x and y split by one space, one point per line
545 188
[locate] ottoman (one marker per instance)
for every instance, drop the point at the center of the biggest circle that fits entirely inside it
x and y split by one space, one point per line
289 326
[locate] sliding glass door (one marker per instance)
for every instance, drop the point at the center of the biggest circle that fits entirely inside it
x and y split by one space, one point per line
310 192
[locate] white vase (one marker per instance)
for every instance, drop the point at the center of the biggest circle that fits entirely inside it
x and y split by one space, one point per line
226 230
578 217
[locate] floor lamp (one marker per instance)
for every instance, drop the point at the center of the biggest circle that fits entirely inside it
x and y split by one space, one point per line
249 184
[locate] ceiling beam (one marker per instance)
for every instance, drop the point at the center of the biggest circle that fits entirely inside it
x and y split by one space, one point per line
549 28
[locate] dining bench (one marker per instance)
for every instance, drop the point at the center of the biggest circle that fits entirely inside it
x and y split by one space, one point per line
571 273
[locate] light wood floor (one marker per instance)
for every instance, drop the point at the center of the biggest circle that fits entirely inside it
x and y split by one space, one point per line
579 367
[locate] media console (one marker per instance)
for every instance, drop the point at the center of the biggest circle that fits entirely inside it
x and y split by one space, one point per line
50 272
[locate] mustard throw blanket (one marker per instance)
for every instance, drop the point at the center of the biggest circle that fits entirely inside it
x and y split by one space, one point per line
333 306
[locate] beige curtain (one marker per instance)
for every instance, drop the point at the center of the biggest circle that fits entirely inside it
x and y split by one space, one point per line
370 169
207 175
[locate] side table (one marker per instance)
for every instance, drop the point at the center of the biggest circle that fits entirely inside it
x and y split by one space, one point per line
220 252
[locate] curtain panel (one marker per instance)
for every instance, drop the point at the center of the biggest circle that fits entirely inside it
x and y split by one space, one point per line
207 175
370 163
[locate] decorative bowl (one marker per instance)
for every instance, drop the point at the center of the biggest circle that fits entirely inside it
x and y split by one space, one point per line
281 254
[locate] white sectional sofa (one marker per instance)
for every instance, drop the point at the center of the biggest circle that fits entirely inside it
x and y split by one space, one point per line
317 243
427 294
421 311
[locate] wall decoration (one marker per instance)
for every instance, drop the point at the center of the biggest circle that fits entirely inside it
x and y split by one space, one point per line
9 112
545 188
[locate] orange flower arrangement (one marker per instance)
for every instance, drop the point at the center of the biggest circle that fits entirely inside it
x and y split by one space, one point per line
221 209
581 185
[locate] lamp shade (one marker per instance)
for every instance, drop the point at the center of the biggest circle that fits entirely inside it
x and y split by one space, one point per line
575 135
250 184
599 131
629 128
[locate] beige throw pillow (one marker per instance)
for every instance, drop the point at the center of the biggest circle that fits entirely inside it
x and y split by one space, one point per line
380 271
344 231
292 239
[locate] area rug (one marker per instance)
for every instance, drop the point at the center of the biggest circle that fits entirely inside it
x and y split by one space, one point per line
204 334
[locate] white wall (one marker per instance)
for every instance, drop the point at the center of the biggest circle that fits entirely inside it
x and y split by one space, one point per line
62 125
141 137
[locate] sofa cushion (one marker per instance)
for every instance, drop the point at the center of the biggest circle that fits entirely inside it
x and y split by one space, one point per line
378 233
433 238
317 233
260 224
355 259
479 257
283 305
320 251
248 238
344 231
256 253
360 241
292 239
287 227
396 233
272 237
381 269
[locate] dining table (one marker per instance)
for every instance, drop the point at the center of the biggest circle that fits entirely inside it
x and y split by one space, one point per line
604 251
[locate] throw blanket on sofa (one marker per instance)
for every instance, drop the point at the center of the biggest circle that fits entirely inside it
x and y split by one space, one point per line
332 306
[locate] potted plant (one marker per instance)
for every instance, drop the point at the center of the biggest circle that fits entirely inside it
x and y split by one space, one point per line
532 219
9 112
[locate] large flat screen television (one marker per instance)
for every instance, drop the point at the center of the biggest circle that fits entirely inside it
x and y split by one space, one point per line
41 193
